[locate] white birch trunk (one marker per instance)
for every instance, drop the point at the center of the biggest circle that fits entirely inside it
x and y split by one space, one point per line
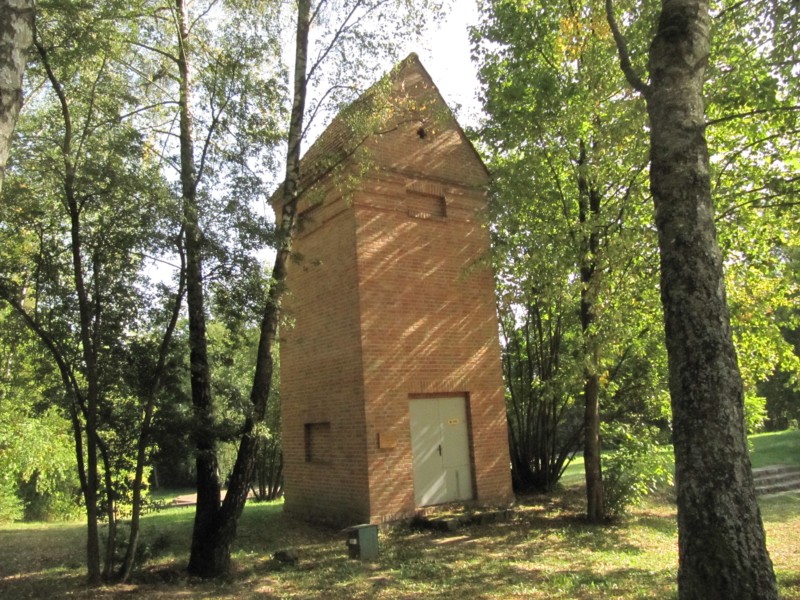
16 37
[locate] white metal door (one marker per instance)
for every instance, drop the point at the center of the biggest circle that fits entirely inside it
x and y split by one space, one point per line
440 450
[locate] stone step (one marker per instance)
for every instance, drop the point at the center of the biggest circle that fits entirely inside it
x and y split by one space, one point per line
769 470
779 488
776 479
770 479
455 521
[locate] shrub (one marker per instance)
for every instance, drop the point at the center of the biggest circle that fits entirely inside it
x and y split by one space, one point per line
637 467
11 507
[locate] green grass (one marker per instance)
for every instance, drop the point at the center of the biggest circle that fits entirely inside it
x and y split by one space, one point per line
545 550
776 448
781 448
574 473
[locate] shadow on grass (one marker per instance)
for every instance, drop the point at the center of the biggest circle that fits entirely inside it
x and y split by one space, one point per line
545 550
51 583
789 584
35 548
546 545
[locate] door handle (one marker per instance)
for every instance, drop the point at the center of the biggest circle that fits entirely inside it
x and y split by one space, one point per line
440 449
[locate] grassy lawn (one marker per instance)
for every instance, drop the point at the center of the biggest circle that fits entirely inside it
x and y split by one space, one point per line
544 550
781 448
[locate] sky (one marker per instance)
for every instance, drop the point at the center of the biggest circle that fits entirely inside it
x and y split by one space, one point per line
445 54
447 59
444 51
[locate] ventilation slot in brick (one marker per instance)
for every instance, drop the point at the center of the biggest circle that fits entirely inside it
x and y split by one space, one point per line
426 201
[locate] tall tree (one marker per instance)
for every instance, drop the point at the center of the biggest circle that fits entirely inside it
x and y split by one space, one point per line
569 198
722 547
16 37
208 79
80 214
211 544
354 26
209 485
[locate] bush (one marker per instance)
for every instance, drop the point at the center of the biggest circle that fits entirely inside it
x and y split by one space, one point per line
38 481
59 500
755 412
11 507
637 467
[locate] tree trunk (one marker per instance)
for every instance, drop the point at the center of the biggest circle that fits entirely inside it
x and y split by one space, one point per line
16 37
595 494
589 209
721 537
88 315
143 443
211 556
208 483
91 374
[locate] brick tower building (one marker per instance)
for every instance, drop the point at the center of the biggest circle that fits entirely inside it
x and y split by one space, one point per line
391 385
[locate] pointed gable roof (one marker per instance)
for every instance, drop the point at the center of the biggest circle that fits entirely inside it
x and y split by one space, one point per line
402 124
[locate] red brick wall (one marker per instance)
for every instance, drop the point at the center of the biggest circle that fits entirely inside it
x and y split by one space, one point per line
321 379
392 299
428 326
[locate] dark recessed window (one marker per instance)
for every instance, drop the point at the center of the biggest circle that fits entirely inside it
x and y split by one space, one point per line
425 206
318 442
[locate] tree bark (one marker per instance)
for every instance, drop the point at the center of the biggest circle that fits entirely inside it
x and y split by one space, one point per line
16 37
588 211
211 556
87 318
209 488
722 547
143 443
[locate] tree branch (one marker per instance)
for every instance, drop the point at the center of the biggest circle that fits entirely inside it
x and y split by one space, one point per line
342 28
163 53
146 108
752 113
624 56
313 115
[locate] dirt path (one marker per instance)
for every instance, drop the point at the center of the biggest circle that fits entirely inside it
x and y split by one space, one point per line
191 499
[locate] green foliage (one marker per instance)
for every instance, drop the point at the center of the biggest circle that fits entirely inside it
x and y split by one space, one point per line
571 219
11 506
37 469
636 467
782 401
37 478
544 415
780 389
755 412
551 81
752 134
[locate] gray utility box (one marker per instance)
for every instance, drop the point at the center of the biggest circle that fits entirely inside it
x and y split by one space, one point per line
362 541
